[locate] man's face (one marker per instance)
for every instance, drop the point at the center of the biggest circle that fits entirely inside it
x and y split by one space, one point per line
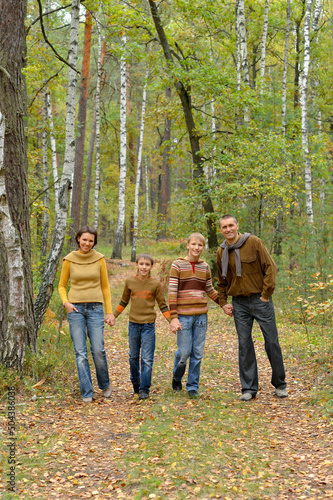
229 229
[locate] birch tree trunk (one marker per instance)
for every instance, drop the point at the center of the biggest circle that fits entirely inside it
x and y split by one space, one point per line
263 49
46 286
46 217
304 104
185 98
238 50
87 184
118 238
53 146
243 42
138 172
98 120
81 131
16 293
285 72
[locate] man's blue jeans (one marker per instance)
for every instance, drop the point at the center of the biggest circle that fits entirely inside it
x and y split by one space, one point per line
141 336
191 343
247 309
90 319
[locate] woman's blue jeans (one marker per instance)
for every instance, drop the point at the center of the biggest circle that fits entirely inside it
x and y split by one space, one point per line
141 336
89 319
191 343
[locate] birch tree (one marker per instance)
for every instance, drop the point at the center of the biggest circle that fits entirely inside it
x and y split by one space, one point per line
16 294
139 167
304 106
263 48
98 121
285 71
118 238
164 184
46 217
46 286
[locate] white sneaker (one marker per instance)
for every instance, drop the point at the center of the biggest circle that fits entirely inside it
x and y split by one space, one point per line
281 393
247 396
107 392
87 400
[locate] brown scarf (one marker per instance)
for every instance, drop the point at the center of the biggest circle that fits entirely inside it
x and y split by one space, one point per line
225 257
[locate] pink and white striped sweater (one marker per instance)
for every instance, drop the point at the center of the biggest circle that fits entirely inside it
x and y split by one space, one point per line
189 283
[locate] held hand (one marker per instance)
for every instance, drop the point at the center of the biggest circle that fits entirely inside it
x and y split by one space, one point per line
69 307
228 309
109 319
175 325
264 300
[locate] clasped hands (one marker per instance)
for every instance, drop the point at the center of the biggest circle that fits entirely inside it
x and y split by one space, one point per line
175 325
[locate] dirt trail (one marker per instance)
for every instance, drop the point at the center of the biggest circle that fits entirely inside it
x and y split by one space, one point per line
88 459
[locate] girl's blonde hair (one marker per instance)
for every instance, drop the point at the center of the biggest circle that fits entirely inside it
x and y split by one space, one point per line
197 236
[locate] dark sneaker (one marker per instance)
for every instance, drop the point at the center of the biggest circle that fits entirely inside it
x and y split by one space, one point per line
143 395
192 393
136 387
177 386
247 396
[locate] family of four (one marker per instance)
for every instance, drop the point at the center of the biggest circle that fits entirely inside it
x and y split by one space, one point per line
246 272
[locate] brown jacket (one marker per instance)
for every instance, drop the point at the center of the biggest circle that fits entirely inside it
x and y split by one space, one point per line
258 272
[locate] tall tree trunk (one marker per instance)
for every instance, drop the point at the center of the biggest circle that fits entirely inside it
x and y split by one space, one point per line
16 293
46 218
98 122
185 98
46 286
81 131
53 146
263 49
119 234
87 184
298 52
243 42
285 71
138 172
304 103
164 193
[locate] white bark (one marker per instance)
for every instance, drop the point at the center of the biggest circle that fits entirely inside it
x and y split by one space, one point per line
263 48
304 106
118 241
46 214
98 121
285 71
138 173
46 287
238 50
53 145
243 42
16 323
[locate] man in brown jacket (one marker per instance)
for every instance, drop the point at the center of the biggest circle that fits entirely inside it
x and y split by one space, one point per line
247 272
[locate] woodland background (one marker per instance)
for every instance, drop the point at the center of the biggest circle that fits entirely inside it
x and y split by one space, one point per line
150 120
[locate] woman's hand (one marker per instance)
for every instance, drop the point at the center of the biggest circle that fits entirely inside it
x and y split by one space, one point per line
175 325
69 307
110 319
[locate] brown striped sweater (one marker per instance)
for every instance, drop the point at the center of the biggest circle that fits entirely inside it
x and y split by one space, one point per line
188 288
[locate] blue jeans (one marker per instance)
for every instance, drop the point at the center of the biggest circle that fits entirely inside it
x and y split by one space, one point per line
90 319
247 309
141 336
191 343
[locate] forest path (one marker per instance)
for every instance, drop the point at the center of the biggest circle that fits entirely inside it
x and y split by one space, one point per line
268 448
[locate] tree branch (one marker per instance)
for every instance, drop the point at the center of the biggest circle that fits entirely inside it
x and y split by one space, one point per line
44 85
48 42
46 14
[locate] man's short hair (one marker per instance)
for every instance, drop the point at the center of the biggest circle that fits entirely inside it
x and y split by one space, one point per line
227 216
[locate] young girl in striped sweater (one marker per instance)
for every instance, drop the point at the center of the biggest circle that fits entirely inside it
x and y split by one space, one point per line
189 284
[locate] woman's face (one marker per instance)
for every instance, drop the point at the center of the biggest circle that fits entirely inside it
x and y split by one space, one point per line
86 242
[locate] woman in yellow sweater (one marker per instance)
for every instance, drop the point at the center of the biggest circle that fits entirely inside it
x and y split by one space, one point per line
89 290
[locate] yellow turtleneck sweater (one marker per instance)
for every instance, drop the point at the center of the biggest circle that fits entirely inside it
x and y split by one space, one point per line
88 277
